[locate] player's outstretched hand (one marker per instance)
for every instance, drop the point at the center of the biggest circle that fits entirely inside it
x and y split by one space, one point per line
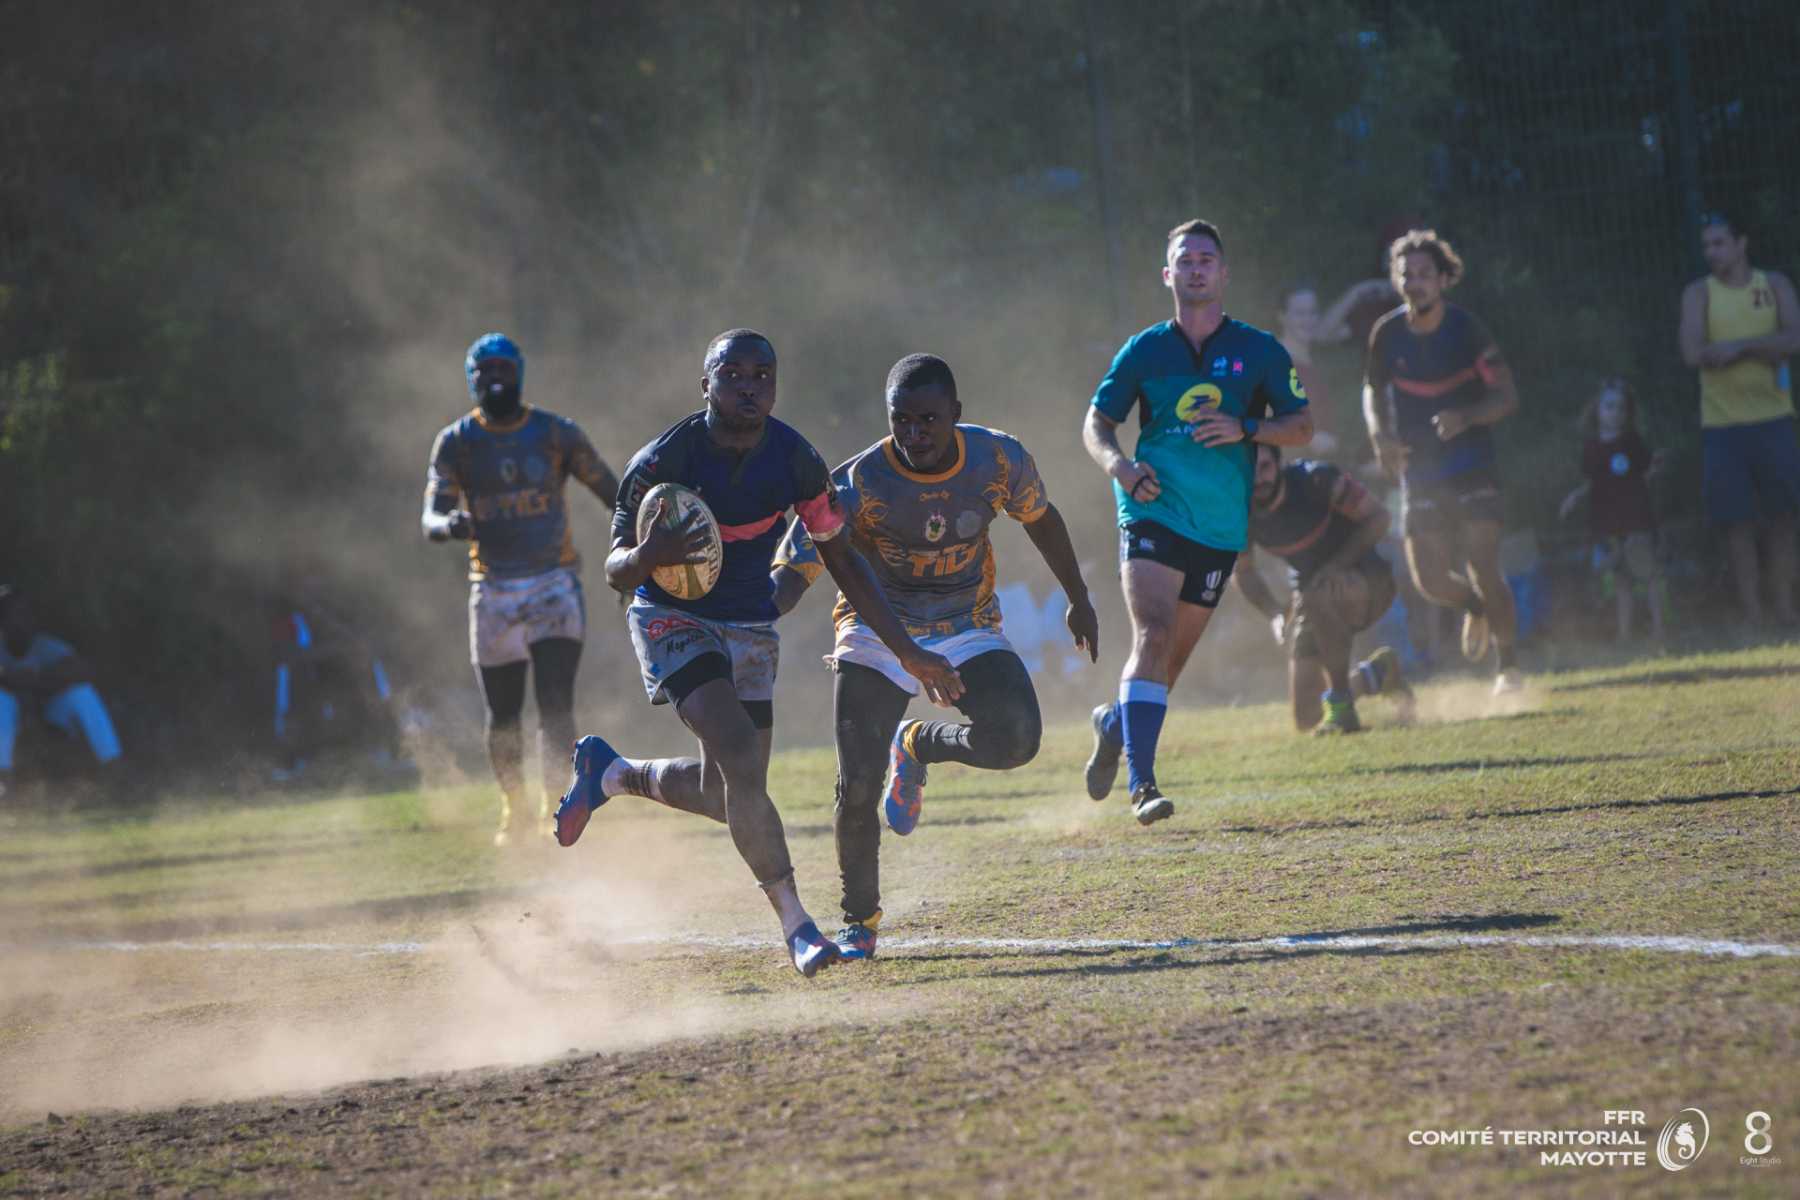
460 525
1278 627
934 672
1084 625
1139 480
1215 428
666 546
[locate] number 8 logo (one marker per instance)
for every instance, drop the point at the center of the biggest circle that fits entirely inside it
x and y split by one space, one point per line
1758 1125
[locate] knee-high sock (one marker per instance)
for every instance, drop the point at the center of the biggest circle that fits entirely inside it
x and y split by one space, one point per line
1143 704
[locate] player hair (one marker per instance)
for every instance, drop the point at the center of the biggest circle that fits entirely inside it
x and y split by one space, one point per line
1196 227
1590 412
1719 216
920 370
1271 447
1426 241
716 348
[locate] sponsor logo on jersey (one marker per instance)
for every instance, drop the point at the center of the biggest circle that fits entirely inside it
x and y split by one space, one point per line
968 523
1294 384
1621 463
536 468
509 470
1237 366
1200 396
1218 367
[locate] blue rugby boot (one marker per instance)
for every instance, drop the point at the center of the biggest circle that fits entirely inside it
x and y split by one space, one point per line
905 794
812 951
592 757
856 940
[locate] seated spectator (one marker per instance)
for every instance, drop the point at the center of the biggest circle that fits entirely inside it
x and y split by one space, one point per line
43 675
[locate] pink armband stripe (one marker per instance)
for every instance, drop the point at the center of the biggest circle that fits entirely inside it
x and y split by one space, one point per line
820 516
743 533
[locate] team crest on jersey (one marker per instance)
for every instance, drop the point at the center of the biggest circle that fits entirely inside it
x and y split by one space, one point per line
509 470
1218 366
935 525
1237 366
1201 395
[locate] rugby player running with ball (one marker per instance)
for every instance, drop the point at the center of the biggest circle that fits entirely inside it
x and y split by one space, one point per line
714 656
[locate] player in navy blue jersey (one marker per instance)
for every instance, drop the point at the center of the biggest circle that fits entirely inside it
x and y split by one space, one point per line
496 481
1325 526
1435 386
714 657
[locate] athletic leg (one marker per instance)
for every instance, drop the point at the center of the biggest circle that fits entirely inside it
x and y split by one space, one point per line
554 662
867 707
503 691
1482 542
1306 677
1152 598
1004 725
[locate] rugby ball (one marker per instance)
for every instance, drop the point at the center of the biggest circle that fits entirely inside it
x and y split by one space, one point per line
686 581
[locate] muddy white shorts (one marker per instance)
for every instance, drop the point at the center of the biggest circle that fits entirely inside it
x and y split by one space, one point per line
857 643
507 615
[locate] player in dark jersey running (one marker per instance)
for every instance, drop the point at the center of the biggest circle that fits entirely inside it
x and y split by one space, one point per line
1434 387
714 657
496 481
1325 525
919 504
1204 386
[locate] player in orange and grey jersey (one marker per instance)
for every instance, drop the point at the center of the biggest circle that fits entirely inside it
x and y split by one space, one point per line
918 505
496 481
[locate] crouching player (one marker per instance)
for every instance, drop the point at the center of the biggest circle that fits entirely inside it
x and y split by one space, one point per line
1326 526
919 504
714 656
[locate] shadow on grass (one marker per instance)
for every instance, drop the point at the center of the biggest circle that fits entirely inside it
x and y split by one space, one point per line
1169 960
823 829
1548 810
1691 675
1495 764
1243 949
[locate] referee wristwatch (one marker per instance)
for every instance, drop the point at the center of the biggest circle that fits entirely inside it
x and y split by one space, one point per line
1251 425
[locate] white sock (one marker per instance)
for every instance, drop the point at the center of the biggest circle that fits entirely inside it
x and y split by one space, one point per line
785 896
632 777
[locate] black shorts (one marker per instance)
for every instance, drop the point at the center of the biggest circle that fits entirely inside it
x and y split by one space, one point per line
1205 568
1443 507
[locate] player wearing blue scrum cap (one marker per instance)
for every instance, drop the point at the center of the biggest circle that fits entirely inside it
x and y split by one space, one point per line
496 481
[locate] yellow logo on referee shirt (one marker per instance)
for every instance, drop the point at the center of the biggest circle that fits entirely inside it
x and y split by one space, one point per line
1201 395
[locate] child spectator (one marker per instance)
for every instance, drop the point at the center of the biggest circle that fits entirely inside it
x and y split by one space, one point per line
1621 519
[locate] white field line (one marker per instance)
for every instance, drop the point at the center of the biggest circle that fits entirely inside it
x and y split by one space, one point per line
1656 943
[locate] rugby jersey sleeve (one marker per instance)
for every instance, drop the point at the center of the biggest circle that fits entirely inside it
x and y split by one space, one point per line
1342 492
1377 374
797 549
815 499
1026 500
1280 384
579 458
1120 387
443 482
641 474
1482 350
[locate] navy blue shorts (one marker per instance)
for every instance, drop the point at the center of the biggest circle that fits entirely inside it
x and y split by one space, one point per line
1205 568
1752 472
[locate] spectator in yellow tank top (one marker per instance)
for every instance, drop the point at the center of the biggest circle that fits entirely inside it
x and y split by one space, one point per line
1739 327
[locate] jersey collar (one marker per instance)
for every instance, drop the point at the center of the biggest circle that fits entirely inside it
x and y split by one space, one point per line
893 457
512 426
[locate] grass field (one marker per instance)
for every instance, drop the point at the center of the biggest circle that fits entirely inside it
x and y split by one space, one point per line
1332 945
